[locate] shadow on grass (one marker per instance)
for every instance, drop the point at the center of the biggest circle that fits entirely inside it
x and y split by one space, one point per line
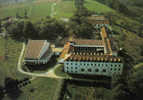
1 93
78 83
12 89
94 78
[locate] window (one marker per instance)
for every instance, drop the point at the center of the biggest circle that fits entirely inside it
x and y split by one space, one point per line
96 70
82 70
104 70
89 70
67 63
119 69
75 67
115 69
111 69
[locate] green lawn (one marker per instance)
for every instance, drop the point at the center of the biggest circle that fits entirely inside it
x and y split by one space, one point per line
1 46
65 9
8 67
59 71
138 66
36 11
96 6
85 92
44 88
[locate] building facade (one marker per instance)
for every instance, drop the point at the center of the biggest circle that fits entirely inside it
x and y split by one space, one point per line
94 66
92 57
38 52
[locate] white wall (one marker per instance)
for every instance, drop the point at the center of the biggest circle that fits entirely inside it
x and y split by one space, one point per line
76 67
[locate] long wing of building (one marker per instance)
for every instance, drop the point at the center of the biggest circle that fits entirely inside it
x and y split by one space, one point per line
93 57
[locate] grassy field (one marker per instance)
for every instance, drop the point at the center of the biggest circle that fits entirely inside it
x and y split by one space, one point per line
43 88
42 8
138 66
8 66
59 72
96 6
2 47
86 92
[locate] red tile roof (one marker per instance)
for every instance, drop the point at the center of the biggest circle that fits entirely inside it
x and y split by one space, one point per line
88 42
98 20
65 50
33 48
97 58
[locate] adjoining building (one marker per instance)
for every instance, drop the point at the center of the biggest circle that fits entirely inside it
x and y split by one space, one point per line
92 57
98 21
38 52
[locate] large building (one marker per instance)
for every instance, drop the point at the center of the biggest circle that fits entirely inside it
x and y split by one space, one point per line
93 57
98 21
38 52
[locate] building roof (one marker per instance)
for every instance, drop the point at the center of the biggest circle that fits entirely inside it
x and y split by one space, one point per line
98 19
95 58
65 50
88 42
103 33
34 48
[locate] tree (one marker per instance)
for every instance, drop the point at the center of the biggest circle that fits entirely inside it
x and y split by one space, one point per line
83 30
12 89
16 30
79 4
25 14
120 92
22 30
1 93
0 26
51 28
29 31
141 47
135 84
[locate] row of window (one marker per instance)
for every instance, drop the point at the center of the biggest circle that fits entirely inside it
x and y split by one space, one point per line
115 65
114 73
96 70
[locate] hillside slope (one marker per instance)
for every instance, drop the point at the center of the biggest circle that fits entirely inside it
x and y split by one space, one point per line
42 8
